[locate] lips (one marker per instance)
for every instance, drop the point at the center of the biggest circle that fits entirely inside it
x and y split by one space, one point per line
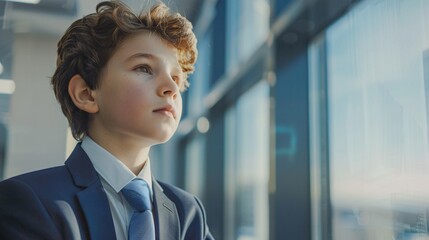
167 110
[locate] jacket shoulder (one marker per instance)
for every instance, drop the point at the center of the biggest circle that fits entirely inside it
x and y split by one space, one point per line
25 194
43 173
50 183
45 178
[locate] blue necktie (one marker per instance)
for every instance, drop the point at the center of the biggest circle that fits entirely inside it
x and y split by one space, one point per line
141 225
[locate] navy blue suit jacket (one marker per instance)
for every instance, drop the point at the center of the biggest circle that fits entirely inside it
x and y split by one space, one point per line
69 202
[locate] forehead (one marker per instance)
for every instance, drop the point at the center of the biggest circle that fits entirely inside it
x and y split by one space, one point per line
146 43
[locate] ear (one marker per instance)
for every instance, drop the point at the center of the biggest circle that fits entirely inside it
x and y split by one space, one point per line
81 95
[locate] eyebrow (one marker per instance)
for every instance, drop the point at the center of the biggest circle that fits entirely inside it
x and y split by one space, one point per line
142 55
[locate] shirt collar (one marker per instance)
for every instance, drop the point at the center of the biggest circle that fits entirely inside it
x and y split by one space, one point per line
116 174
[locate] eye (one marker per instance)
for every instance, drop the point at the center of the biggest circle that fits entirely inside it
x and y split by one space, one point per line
144 68
178 80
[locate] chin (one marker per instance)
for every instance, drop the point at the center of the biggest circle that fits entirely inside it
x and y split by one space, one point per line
164 138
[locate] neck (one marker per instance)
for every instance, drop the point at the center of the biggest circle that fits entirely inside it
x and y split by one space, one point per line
130 153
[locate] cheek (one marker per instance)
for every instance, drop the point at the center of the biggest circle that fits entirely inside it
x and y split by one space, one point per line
179 106
133 99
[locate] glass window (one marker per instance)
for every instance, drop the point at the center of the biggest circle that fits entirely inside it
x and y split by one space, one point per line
378 96
280 6
195 166
199 81
247 28
247 166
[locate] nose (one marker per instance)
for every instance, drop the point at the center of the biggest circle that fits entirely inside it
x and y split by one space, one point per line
168 87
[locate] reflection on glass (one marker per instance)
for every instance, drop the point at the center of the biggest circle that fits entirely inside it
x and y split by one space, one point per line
378 77
246 167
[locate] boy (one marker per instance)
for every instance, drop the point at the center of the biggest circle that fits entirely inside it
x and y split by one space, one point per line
119 80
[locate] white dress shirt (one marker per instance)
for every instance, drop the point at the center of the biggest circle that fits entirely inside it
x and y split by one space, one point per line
114 175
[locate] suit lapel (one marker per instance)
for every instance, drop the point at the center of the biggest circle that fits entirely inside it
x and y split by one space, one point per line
167 219
97 212
92 199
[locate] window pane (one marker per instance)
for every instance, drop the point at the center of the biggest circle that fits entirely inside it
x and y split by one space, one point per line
247 162
195 166
247 28
378 79
199 83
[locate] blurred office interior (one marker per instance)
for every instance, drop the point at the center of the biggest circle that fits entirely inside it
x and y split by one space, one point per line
305 119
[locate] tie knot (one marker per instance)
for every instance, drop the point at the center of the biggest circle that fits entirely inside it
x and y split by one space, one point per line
137 194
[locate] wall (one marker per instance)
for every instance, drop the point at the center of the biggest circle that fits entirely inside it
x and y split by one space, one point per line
37 128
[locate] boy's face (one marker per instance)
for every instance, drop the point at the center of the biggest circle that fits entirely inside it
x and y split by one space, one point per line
138 96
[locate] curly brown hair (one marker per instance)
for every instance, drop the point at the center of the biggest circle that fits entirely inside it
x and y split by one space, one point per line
89 42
